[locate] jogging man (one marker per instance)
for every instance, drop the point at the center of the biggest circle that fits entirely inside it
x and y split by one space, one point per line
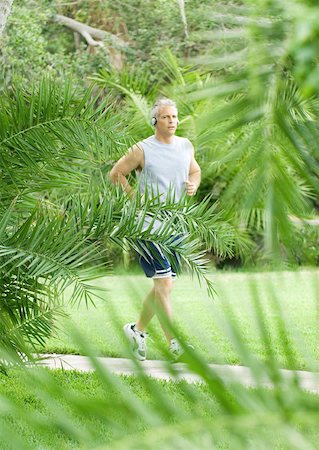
166 162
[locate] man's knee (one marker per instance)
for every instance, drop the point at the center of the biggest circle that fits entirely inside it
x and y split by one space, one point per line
163 286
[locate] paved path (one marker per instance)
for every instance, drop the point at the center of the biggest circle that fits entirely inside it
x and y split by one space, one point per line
178 371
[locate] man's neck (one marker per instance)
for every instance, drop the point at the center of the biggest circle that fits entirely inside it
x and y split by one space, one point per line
166 139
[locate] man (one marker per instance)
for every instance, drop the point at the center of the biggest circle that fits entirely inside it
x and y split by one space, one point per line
166 162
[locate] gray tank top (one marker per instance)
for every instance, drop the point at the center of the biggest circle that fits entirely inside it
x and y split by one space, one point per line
166 167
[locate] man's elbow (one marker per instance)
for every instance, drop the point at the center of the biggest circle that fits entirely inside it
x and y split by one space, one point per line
114 176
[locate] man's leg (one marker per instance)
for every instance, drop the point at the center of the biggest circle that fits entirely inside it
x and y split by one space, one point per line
135 331
162 289
161 294
148 311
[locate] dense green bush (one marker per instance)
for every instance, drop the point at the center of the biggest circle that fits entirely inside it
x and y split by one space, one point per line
305 250
35 45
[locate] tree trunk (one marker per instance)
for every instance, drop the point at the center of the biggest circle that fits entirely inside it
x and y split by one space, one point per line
90 34
96 37
183 16
5 9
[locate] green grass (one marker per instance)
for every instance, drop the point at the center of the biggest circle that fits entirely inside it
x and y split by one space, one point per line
267 317
88 387
70 410
290 297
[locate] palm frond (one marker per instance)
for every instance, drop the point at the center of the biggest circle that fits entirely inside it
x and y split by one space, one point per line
259 122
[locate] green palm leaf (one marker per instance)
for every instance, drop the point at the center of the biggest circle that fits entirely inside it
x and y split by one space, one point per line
255 121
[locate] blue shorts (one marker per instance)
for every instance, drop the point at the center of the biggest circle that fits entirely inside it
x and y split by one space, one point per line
156 263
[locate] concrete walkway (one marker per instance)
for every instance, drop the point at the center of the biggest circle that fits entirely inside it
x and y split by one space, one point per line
178 371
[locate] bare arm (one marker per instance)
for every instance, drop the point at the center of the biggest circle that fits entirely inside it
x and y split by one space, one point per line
194 177
132 160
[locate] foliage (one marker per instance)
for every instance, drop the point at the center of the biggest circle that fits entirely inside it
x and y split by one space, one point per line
272 162
41 45
34 45
236 115
135 22
24 42
305 248
304 46
42 249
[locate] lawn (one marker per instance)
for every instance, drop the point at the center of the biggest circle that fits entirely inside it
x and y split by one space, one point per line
91 422
71 410
255 316
268 309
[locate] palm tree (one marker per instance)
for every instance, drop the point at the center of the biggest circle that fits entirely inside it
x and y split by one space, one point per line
261 116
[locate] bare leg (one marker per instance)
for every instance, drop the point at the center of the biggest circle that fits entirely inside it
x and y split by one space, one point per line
161 294
162 290
147 312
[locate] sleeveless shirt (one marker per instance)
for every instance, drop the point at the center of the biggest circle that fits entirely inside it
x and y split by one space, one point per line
166 167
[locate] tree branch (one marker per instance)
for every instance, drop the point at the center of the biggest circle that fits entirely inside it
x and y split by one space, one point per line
5 9
90 34
90 40
183 16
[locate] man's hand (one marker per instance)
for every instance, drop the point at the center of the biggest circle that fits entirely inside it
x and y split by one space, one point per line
191 188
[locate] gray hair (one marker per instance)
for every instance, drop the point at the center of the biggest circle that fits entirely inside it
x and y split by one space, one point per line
159 103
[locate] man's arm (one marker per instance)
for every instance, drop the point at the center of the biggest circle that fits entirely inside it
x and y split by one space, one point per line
132 160
194 177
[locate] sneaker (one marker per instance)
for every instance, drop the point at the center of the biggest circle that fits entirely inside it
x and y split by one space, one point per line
176 350
137 340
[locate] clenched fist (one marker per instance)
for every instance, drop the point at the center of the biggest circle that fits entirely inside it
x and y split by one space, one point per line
191 188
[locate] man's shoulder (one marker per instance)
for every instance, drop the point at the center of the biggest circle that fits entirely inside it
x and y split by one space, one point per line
185 142
182 139
148 140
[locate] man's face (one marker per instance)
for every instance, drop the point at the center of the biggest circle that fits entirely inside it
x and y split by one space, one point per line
167 120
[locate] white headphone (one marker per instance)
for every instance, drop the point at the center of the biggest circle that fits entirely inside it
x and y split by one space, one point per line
154 121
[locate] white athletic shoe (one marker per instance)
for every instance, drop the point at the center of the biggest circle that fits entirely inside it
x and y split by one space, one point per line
176 350
137 340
